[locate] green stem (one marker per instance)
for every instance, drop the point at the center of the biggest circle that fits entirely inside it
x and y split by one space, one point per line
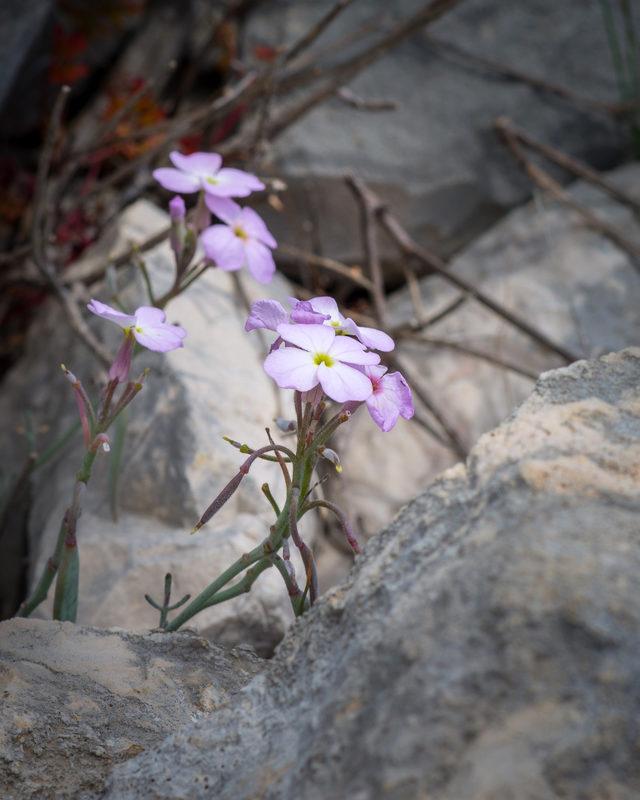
243 585
41 591
202 601
65 603
266 491
269 545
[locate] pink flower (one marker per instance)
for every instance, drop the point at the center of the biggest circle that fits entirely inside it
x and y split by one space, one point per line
147 326
390 399
265 314
320 357
317 311
203 171
243 240
327 306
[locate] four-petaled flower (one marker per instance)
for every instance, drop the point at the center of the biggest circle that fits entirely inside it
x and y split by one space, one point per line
390 399
317 311
243 240
204 171
146 326
327 307
320 357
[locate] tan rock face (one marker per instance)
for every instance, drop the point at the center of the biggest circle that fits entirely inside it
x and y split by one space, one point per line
485 646
543 264
76 701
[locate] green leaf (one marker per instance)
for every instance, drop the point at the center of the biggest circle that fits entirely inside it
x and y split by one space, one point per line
65 601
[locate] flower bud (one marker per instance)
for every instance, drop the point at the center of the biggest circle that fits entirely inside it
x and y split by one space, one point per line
101 440
119 370
332 456
69 375
177 209
285 425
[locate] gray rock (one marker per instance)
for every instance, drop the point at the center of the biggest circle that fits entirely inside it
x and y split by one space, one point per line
174 462
436 158
25 29
546 266
485 647
76 701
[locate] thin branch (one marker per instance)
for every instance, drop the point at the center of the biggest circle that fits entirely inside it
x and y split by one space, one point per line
360 104
542 179
436 265
424 397
427 322
40 235
371 249
370 206
471 351
313 33
288 254
567 162
511 73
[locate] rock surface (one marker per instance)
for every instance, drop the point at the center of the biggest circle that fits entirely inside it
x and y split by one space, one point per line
76 701
436 158
485 647
542 263
25 33
175 460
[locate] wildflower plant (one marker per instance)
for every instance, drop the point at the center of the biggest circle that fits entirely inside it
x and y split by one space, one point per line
332 373
331 364
148 328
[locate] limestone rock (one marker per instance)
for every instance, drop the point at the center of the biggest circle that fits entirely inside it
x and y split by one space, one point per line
543 264
76 701
174 460
485 646
435 159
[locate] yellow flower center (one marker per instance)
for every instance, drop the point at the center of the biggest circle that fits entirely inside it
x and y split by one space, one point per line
240 233
323 358
212 181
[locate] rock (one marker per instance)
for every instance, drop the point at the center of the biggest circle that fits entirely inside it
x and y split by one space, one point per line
436 159
543 264
76 701
25 32
174 462
485 646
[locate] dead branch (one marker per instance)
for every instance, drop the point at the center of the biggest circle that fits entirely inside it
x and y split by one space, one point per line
416 326
360 104
287 254
371 250
436 265
511 73
315 32
41 235
470 351
543 180
570 164
369 207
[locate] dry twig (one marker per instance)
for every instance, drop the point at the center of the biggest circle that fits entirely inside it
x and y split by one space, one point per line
542 179
567 162
41 235
435 264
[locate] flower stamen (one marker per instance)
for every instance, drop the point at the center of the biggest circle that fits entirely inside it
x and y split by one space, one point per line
323 358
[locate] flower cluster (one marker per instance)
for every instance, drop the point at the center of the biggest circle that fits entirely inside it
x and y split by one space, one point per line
241 238
324 348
